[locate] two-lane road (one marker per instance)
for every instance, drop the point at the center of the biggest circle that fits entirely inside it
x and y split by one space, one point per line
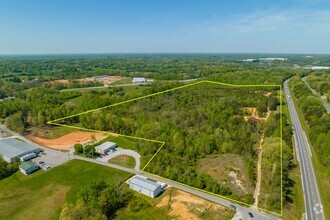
314 209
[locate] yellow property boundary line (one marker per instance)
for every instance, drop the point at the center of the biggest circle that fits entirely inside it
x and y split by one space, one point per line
53 122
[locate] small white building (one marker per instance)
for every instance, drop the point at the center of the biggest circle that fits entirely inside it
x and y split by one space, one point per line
145 186
139 80
105 147
28 156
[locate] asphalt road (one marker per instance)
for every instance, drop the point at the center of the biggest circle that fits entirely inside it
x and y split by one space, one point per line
313 206
242 210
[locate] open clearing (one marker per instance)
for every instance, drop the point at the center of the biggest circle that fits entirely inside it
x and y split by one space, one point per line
254 114
68 140
105 80
228 169
181 205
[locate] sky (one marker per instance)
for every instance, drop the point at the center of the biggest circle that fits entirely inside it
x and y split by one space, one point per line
164 26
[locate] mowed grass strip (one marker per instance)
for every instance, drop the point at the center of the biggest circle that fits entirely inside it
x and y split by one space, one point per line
123 160
41 194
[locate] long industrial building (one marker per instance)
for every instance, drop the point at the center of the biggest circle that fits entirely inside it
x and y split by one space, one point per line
11 148
145 186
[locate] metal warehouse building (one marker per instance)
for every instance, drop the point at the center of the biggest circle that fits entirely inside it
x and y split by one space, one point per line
11 148
105 147
145 186
139 80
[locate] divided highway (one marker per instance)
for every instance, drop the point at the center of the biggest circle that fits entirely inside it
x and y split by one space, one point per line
313 206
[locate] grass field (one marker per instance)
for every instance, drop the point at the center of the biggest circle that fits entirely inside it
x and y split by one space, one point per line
123 160
133 144
127 80
41 195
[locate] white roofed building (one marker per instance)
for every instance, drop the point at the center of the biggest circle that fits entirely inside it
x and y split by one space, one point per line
105 147
145 186
139 80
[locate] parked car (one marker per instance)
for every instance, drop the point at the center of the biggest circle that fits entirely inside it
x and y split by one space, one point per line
99 156
163 186
250 214
47 167
103 155
41 163
232 206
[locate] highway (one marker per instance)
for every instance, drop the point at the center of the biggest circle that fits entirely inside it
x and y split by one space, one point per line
313 205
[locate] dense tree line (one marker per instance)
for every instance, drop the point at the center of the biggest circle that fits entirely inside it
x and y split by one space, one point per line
317 119
7 169
37 106
98 200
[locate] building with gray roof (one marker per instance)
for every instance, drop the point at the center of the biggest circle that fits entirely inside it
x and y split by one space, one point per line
145 186
105 147
139 80
11 148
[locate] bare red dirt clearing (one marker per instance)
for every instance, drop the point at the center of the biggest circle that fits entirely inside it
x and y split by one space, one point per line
68 140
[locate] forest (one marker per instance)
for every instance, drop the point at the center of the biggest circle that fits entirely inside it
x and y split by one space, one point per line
195 122
29 98
317 118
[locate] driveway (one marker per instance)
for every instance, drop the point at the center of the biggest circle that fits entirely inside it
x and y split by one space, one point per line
121 151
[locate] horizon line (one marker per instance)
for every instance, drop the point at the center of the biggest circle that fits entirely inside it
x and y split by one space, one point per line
155 53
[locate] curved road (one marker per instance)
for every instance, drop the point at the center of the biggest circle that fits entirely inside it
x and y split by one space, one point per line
121 151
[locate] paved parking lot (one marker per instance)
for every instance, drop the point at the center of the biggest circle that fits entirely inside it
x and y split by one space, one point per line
52 158
121 151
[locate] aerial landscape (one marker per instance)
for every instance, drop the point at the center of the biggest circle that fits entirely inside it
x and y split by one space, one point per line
165 110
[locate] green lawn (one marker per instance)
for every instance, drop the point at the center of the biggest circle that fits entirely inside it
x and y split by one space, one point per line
123 160
41 195
127 80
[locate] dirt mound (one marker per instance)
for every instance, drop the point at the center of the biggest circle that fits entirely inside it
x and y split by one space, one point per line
68 140
254 114
183 205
